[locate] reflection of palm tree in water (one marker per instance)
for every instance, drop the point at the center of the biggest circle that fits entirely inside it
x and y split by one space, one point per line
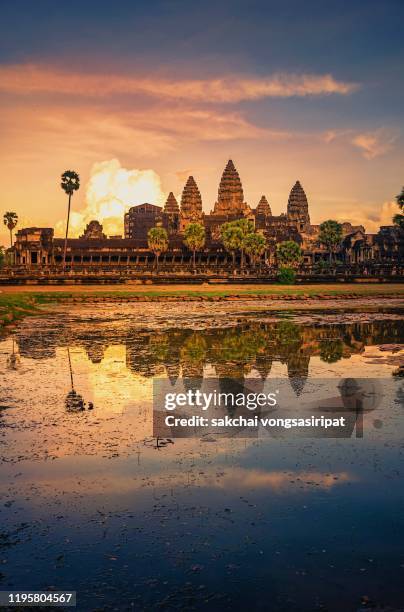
157 443
193 358
74 402
331 350
13 360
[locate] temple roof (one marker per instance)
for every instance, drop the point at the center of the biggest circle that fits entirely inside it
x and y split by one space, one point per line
298 206
171 205
263 207
191 197
93 231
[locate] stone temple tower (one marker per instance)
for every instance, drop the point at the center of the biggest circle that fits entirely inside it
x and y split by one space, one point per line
191 204
298 208
230 199
263 209
171 206
172 210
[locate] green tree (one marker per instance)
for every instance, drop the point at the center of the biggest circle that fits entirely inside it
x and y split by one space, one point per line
194 238
247 227
398 219
289 253
330 235
232 238
157 240
1 256
254 246
10 220
70 182
286 275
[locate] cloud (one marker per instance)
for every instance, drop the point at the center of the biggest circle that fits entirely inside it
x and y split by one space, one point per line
110 191
384 216
370 215
240 478
376 143
35 79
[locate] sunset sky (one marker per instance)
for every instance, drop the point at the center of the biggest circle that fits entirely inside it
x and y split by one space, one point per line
135 96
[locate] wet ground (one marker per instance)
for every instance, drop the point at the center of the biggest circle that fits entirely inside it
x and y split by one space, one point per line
90 501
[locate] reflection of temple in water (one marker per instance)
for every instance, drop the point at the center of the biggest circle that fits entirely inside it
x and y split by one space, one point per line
247 349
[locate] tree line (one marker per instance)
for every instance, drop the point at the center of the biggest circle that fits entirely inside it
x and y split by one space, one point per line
236 236
240 237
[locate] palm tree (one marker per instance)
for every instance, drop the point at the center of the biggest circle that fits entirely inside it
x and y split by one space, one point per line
74 402
10 219
254 245
194 238
247 227
70 182
398 219
157 239
232 238
330 235
289 253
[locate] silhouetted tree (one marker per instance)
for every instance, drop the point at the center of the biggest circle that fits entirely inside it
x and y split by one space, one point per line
398 219
10 220
70 182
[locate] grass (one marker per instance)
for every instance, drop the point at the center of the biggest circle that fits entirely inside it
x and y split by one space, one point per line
17 302
16 306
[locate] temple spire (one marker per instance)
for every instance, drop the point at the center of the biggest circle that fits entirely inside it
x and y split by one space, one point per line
298 207
171 206
263 209
230 199
191 204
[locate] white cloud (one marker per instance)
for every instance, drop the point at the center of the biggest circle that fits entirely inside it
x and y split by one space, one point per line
370 215
110 191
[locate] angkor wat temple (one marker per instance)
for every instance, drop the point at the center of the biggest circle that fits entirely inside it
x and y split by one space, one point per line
38 249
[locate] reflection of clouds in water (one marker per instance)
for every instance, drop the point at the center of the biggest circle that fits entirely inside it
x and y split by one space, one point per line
114 363
280 481
231 479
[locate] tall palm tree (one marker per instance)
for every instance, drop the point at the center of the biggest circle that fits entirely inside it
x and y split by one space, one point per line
157 239
10 219
70 182
194 238
74 402
232 238
247 227
254 246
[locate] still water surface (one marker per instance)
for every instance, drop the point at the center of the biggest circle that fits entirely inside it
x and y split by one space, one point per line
90 502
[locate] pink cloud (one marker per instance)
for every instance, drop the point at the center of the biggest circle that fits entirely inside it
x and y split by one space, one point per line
31 79
375 143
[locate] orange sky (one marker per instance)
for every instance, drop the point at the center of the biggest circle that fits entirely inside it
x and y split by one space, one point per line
135 137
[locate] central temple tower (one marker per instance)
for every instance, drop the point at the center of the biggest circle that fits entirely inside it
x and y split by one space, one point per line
298 208
230 199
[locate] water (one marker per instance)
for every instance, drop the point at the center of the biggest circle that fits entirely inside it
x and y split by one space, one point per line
90 501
